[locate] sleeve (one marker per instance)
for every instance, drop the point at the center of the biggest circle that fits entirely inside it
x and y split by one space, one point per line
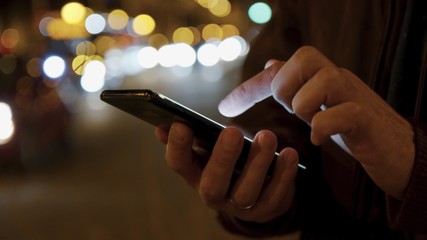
410 214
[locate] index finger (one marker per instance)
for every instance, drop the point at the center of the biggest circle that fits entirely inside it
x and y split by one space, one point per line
250 92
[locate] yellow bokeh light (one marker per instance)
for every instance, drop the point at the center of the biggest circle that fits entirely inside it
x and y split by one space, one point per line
79 63
183 35
158 40
207 3
221 9
104 43
73 13
196 34
86 48
212 31
58 29
143 24
229 30
118 19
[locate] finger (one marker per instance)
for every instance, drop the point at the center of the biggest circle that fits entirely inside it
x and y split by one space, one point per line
250 92
327 88
299 69
344 119
270 62
217 174
161 135
252 178
277 196
179 153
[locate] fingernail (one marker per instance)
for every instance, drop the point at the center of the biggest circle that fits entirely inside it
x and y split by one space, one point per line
267 142
289 159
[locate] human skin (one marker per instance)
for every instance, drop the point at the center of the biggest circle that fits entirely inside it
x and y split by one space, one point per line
332 100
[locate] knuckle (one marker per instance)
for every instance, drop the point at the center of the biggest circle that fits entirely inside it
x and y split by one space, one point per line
326 76
209 196
329 72
306 52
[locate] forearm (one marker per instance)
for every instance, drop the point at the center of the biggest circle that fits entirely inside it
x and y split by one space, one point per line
410 214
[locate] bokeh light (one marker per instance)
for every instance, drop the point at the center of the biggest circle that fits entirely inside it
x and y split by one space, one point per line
7 127
113 62
95 23
73 13
130 62
43 25
196 35
34 67
230 49
10 38
229 30
208 55
93 78
158 40
212 31
148 57
86 48
221 8
187 55
143 25
183 35
260 13
167 56
104 43
79 63
118 19
54 67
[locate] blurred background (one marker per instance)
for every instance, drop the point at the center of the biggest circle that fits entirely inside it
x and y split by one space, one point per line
72 167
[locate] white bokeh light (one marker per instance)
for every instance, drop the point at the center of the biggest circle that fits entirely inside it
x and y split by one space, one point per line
208 54
130 62
93 78
148 57
244 44
230 49
54 67
185 55
7 127
95 23
113 62
167 56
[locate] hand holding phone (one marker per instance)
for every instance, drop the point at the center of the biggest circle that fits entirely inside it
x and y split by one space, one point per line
162 111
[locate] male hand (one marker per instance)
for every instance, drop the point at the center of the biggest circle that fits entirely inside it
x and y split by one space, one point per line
251 198
337 104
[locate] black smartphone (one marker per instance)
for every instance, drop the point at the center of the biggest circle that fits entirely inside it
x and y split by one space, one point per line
161 111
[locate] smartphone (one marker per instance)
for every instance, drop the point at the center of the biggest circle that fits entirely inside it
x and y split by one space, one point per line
161 111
